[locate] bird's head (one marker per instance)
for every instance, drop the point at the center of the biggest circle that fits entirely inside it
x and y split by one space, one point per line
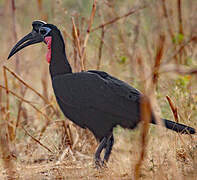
41 32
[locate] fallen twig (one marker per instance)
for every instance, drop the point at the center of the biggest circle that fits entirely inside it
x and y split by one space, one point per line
45 147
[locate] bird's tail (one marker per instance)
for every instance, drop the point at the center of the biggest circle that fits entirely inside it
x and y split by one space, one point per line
180 128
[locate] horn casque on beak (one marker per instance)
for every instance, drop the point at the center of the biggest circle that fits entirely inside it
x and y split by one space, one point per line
29 39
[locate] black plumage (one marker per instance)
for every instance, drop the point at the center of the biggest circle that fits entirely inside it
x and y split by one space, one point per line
91 99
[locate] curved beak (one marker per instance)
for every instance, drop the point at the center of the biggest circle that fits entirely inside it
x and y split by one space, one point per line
31 38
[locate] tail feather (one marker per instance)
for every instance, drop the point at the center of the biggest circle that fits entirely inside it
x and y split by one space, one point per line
180 128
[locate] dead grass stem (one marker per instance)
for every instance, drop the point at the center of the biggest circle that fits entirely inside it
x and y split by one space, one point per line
118 18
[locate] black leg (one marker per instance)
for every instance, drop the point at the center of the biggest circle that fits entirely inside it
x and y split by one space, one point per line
98 152
108 148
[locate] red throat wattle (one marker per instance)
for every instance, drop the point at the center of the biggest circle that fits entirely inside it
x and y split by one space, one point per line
48 41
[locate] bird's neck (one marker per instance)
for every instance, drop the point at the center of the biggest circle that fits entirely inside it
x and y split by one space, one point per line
59 63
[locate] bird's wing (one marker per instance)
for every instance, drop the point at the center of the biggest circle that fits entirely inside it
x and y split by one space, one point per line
97 89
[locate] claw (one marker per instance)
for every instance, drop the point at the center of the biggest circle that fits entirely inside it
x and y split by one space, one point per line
100 163
104 164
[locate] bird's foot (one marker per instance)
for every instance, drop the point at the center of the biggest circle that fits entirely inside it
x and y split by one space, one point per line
104 164
100 163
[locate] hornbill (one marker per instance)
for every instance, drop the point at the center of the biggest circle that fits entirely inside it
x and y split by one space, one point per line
91 99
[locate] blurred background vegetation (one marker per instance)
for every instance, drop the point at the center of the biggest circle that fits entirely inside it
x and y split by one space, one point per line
158 40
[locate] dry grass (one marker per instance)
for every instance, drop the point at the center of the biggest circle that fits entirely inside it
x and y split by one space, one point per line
149 45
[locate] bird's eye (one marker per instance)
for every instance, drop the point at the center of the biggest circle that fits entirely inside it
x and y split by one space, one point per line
43 31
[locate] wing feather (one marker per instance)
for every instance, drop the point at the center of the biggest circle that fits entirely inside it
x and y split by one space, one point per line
99 90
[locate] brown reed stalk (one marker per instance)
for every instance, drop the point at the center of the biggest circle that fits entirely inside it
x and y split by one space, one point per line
6 136
43 15
74 41
118 18
67 35
13 9
7 95
77 42
29 87
181 32
5 151
0 101
101 42
76 45
183 45
39 3
170 29
148 100
26 101
36 140
1 104
169 26
173 108
179 5
145 115
44 129
91 19
67 130
179 70
137 33
10 127
145 118
19 110
158 58
100 48
52 8
175 114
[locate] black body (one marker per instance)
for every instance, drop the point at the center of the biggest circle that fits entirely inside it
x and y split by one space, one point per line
94 99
